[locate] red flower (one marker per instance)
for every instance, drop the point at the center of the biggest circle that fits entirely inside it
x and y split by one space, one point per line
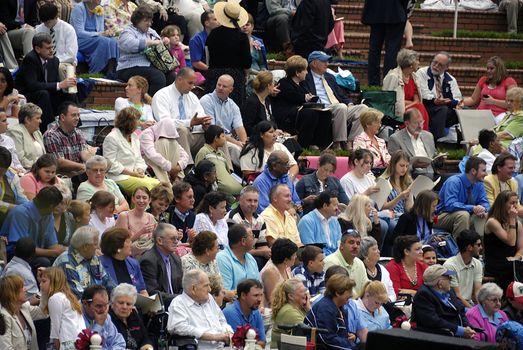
83 341
238 338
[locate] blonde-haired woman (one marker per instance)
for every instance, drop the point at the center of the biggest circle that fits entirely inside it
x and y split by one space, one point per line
137 97
370 120
64 309
257 107
18 314
357 216
290 304
370 304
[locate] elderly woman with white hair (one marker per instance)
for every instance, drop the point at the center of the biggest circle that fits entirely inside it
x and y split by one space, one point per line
402 80
487 314
80 263
95 169
370 255
127 320
195 313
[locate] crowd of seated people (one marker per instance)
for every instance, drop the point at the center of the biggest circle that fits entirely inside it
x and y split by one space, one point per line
203 203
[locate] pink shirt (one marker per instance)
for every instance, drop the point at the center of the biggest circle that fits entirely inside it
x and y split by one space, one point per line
477 318
31 185
499 93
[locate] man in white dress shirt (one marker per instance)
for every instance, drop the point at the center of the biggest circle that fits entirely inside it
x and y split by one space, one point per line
178 102
63 34
195 313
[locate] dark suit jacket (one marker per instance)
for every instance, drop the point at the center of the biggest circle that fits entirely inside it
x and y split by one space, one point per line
384 12
311 26
407 225
308 84
30 76
432 316
154 274
8 9
253 112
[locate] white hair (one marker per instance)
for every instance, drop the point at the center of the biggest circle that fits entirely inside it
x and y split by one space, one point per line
124 290
82 236
489 290
191 278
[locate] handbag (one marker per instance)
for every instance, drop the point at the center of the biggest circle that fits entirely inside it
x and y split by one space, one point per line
383 101
99 138
444 244
161 58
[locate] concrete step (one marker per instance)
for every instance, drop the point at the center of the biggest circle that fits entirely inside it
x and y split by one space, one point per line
425 57
467 77
510 50
434 20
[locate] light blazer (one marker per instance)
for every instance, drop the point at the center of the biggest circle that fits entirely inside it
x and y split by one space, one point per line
393 81
401 140
14 337
492 187
25 147
122 154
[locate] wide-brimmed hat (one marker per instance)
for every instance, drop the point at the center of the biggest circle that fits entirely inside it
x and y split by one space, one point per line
229 12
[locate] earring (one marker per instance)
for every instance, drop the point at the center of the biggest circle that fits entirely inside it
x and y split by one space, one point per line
119 251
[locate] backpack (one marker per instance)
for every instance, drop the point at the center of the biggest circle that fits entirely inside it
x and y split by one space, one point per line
510 336
445 245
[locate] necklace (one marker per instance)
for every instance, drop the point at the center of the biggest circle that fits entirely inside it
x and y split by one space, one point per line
372 274
413 280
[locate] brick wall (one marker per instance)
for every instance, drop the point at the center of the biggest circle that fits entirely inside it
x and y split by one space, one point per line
104 94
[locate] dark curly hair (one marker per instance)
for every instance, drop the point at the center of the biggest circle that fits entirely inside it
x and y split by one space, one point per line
204 241
10 83
282 248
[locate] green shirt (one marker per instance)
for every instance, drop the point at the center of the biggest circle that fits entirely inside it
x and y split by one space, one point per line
288 314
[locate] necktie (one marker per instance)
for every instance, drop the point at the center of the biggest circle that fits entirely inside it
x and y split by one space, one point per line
21 13
44 67
168 272
330 93
53 38
181 107
470 197
439 92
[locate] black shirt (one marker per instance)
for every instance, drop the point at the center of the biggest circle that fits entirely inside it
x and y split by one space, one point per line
121 272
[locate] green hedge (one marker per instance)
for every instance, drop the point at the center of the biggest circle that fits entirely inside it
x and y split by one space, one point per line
479 34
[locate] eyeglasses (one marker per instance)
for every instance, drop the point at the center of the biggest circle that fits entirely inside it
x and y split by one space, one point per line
436 63
494 300
98 171
173 239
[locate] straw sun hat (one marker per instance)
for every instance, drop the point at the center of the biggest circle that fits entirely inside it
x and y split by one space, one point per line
229 12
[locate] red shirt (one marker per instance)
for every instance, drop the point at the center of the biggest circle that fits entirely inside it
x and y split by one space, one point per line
399 278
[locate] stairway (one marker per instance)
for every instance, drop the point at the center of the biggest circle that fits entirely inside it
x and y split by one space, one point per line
469 55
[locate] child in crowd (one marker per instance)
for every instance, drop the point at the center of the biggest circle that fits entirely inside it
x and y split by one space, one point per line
102 211
310 272
429 255
81 212
161 197
65 311
178 49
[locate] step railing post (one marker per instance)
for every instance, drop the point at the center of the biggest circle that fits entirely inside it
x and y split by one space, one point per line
456 4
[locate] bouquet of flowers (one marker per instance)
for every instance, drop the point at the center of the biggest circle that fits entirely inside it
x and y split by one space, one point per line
83 342
238 338
98 10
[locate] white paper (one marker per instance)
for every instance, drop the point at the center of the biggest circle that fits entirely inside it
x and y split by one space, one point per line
150 304
380 197
472 121
422 183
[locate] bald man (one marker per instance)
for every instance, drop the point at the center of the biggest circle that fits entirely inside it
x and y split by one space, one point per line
276 171
226 113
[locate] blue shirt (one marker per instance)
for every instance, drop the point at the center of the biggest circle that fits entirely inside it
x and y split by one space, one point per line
197 46
25 220
312 231
112 339
377 321
454 195
233 271
235 317
355 321
264 183
133 267
315 282
225 113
